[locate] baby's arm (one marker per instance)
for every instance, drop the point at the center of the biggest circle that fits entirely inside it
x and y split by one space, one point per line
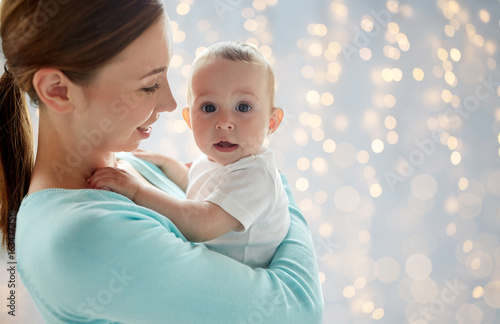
173 169
198 221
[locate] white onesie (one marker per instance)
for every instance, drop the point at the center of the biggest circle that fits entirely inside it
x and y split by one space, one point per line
251 191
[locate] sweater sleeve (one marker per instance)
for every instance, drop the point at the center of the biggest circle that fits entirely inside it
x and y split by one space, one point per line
130 268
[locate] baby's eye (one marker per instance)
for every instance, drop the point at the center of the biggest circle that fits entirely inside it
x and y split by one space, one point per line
243 107
209 108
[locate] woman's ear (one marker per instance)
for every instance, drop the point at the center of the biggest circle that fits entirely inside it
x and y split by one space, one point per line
187 116
53 88
275 121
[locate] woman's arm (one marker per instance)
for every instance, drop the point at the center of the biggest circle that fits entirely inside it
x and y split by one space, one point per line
134 266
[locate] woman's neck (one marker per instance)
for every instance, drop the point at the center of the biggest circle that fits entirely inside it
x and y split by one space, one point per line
60 163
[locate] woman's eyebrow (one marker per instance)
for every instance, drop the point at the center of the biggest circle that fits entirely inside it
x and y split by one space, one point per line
155 71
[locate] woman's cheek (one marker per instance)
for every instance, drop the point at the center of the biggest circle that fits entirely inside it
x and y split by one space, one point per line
141 109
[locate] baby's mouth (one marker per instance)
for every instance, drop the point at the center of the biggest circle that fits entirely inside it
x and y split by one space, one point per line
224 146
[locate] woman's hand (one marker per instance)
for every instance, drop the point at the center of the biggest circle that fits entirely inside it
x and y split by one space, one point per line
116 179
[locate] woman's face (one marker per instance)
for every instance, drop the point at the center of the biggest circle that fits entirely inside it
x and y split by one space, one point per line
128 94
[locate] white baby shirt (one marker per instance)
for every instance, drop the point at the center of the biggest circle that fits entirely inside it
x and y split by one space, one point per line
251 191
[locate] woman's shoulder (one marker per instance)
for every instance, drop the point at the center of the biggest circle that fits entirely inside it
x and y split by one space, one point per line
69 204
60 222
153 174
56 211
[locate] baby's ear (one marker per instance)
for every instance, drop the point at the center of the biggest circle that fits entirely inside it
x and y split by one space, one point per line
187 116
275 121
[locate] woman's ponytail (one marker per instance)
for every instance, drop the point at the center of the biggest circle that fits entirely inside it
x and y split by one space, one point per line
16 155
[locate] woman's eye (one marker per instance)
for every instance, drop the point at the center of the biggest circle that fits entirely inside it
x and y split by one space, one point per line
208 108
151 89
243 107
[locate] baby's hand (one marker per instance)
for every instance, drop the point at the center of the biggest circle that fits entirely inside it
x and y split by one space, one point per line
116 179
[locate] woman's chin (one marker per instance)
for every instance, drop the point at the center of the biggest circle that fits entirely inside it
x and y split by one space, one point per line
129 147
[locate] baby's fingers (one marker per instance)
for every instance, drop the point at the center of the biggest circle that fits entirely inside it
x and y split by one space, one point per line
104 178
106 183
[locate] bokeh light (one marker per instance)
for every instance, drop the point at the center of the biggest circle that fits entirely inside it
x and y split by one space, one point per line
418 266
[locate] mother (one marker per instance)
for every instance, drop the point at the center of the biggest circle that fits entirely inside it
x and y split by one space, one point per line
98 71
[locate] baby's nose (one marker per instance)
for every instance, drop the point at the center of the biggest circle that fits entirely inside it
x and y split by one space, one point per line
224 123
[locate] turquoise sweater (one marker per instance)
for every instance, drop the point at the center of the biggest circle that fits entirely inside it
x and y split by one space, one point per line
93 256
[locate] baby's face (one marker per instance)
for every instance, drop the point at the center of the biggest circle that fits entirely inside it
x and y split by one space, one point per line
230 108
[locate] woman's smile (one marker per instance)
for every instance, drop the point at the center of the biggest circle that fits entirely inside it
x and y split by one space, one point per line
144 131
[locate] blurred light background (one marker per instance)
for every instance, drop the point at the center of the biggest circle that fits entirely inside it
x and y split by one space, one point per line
391 141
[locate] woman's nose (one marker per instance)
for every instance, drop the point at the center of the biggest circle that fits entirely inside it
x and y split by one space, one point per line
166 100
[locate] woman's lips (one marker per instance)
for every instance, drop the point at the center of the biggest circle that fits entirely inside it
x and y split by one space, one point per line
145 132
225 147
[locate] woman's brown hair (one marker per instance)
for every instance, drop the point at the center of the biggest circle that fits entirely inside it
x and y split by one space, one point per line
76 37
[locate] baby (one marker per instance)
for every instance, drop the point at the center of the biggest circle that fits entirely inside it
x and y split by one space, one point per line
236 203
